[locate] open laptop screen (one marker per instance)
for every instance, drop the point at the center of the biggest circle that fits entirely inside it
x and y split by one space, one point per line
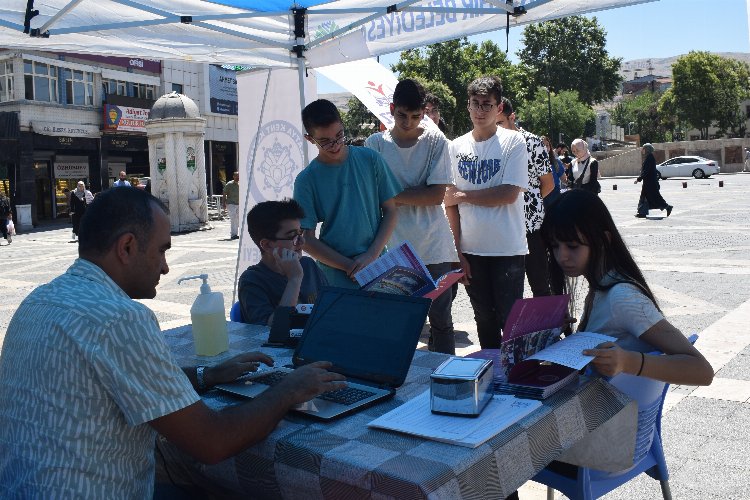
366 335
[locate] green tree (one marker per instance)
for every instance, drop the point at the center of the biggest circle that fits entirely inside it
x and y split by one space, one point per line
357 118
569 54
708 89
455 64
644 113
569 115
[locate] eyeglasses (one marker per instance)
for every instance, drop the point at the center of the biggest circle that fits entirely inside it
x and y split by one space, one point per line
294 239
483 107
329 145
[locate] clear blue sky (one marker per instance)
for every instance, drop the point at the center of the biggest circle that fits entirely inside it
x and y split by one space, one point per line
659 29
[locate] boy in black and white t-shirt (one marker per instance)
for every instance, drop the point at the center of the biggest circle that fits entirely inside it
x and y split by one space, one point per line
486 210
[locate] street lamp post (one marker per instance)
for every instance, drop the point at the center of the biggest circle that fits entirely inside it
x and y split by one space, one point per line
630 128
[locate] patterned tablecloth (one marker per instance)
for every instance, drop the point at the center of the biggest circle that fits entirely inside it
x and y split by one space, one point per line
308 459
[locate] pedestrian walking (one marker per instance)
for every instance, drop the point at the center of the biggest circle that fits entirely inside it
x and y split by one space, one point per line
122 181
232 205
80 198
650 198
4 213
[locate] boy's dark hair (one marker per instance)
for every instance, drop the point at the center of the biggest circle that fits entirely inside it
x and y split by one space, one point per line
490 85
115 212
507 106
264 219
430 98
320 113
409 94
561 145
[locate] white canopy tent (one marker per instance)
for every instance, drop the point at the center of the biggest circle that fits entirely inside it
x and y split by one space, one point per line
268 33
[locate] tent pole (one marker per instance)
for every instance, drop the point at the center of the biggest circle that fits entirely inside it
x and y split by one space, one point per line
301 78
300 16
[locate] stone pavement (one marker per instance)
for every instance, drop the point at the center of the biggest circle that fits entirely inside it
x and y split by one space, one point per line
697 261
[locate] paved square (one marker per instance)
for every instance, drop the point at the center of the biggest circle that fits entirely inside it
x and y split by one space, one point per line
697 261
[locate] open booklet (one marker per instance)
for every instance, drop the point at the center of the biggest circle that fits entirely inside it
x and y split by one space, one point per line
401 271
532 361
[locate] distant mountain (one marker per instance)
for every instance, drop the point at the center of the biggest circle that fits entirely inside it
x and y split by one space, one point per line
663 66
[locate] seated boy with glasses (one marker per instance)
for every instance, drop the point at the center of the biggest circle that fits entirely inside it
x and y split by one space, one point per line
283 277
349 190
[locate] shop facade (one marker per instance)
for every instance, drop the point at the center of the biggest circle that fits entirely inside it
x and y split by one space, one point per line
66 118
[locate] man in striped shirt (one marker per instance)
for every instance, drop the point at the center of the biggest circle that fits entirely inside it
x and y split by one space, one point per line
86 380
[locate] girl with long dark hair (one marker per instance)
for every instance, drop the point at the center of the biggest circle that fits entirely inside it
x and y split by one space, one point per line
579 231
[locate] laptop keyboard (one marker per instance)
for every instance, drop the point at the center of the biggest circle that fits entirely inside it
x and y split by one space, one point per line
270 379
346 396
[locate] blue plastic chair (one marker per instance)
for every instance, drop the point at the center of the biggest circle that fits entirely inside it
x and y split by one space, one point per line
648 456
235 313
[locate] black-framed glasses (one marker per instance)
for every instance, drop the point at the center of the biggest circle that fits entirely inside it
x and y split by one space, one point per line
474 106
329 145
294 239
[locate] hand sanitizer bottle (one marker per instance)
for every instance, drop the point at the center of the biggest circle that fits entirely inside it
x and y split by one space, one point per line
209 320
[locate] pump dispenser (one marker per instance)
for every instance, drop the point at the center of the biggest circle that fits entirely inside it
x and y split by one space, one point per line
209 321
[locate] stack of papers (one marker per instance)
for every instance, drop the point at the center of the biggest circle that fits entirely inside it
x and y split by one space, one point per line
414 417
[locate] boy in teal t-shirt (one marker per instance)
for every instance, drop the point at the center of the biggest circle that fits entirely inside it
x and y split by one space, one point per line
350 191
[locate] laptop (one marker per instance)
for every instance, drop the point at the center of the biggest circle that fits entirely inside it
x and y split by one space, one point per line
370 337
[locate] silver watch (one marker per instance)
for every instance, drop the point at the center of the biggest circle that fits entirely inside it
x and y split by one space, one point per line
199 377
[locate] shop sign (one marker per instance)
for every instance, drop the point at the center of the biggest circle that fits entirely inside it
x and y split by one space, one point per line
125 118
65 129
71 168
222 85
150 65
191 159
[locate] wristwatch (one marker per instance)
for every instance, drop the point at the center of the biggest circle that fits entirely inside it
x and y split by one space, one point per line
199 378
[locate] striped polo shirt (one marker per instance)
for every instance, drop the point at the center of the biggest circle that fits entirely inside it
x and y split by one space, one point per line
83 370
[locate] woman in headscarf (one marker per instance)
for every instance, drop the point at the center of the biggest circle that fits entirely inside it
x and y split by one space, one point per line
650 196
80 198
584 169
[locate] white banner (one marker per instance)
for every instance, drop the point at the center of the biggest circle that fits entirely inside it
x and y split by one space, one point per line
371 82
271 142
71 167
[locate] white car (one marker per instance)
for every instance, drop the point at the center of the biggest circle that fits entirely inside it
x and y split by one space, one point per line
685 166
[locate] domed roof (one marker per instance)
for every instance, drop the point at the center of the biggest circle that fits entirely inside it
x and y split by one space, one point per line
174 105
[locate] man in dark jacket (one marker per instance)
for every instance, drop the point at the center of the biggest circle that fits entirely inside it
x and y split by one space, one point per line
650 196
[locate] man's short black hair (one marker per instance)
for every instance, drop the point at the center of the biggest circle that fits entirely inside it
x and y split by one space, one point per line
507 106
409 94
561 145
115 212
320 113
264 219
430 98
490 85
